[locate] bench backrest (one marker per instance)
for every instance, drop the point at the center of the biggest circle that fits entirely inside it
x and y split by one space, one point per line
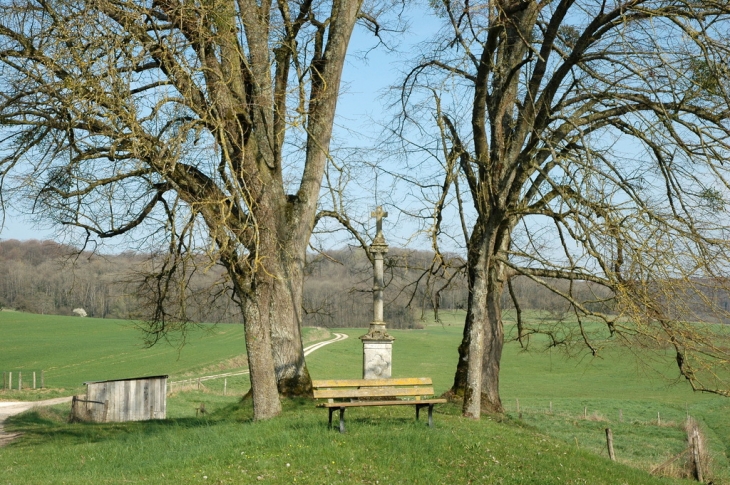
367 388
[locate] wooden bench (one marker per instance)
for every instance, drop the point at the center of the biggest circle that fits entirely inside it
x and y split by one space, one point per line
375 392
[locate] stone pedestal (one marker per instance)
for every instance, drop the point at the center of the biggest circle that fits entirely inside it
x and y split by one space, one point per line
377 353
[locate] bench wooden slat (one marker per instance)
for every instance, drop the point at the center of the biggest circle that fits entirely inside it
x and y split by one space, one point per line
380 403
402 381
372 392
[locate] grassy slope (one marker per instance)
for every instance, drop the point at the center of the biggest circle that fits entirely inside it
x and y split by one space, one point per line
616 390
73 350
382 446
561 447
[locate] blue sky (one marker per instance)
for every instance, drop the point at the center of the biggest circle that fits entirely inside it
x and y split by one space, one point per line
365 80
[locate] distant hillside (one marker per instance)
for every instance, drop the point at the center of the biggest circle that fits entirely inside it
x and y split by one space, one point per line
49 278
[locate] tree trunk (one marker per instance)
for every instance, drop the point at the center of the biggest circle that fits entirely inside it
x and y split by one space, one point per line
277 283
292 376
480 352
271 299
457 388
257 324
485 312
493 341
297 216
474 331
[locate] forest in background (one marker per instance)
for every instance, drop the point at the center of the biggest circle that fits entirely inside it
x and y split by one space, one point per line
46 277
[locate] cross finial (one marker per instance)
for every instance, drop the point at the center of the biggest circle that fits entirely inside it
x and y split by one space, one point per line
378 215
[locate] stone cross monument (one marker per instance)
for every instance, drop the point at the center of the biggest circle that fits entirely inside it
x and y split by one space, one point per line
377 345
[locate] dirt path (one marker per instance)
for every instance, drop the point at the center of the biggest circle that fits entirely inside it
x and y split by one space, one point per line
312 348
8 409
307 350
12 408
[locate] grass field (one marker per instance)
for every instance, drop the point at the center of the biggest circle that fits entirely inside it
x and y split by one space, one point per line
73 350
557 436
587 395
383 446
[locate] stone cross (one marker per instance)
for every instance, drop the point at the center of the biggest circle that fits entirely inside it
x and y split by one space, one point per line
377 344
378 215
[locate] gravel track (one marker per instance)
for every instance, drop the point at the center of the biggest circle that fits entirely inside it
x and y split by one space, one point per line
11 408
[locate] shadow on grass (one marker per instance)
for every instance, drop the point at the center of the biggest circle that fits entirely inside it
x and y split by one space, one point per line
42 425
299 418
386 418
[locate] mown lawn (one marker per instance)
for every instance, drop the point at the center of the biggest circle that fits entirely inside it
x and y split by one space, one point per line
618 390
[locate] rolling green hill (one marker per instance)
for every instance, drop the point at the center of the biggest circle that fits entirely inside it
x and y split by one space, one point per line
637 395
556 435
73 350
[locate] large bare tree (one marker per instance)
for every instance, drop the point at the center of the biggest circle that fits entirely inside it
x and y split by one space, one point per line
208 122
584 140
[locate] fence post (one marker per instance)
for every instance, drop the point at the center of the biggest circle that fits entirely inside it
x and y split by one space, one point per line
33 380
694 441
74 409
609 443
658 419
42 383
10 380
225 386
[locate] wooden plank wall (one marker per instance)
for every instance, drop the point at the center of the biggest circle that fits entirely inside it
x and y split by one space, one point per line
127 400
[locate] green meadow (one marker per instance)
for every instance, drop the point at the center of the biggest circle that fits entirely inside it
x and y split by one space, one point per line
73 350
570 398
553 431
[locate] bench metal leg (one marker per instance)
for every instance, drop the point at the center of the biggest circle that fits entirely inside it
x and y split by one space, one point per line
342 418
418 415
430 413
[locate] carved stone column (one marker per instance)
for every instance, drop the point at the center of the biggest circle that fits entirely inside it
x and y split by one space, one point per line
377 344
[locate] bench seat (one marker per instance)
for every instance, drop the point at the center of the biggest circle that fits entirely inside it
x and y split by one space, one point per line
346 393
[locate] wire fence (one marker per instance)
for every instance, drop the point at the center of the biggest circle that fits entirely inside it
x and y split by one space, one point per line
23 379
197 382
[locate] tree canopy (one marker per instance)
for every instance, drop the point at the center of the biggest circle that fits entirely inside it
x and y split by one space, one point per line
586 141
204 124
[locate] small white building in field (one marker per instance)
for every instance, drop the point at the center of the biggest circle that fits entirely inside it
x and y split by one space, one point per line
136 399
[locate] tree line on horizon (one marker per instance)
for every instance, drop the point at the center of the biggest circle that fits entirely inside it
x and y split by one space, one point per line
46 277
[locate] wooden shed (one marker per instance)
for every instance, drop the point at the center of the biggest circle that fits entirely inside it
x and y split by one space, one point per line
136 399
